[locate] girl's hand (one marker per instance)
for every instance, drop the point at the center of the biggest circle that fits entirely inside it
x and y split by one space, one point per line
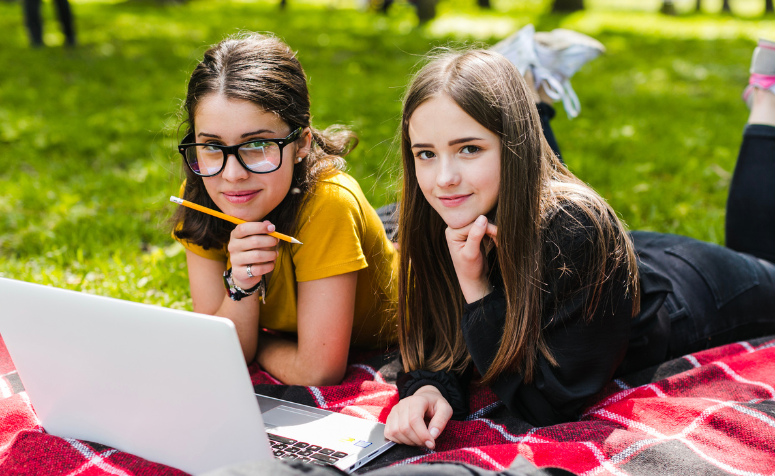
406 422
250 245
469 255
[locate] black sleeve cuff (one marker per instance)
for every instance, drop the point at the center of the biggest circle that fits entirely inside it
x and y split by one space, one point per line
446 382
496 295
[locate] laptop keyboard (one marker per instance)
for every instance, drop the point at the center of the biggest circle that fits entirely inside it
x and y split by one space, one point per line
287 448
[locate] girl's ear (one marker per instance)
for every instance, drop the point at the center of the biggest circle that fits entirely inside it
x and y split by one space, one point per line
306 143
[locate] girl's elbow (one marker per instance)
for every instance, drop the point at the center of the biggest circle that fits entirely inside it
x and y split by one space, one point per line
249 351
327 376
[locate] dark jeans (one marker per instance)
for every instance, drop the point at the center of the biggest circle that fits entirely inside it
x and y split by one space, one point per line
35 24
720 294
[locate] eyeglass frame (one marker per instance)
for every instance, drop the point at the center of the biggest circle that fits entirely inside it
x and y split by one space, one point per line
228 150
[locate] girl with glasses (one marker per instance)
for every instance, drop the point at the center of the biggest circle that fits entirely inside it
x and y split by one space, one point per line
250 151
516 267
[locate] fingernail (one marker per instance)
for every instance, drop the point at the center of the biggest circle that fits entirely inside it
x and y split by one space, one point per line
270 228
429 444
434 432
482 220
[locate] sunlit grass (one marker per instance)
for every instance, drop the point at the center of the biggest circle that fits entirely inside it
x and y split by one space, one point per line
87 135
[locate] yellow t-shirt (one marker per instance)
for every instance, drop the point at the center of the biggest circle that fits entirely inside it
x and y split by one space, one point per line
341 233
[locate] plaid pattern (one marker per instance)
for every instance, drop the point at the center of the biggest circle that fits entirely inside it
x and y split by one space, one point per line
712 412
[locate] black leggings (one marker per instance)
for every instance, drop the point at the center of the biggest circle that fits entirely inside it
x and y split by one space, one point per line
750 225
719 294
750 219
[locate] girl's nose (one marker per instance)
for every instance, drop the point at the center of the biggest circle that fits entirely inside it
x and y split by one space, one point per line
234 171
448 174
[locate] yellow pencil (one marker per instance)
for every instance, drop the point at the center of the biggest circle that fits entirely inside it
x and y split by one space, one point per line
230 218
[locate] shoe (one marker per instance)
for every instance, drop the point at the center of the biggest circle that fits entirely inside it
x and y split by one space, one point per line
520 49
553 58
762 70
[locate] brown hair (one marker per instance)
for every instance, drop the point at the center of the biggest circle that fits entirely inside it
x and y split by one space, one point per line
263 70
534 187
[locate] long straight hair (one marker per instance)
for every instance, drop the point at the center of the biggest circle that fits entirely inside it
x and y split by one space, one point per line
534 187
265 71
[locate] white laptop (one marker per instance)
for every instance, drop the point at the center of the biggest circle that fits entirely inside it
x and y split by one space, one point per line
169 386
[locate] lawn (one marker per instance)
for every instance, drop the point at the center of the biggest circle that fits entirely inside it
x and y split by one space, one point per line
87 135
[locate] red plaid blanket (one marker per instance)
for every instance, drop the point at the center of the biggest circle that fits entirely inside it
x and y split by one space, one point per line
707 413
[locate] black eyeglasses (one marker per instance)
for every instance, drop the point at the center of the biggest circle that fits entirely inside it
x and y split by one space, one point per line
260 156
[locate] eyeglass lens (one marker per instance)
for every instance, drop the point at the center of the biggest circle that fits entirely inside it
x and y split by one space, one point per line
258 156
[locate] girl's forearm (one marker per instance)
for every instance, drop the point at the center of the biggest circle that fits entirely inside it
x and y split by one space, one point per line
244 315
283 359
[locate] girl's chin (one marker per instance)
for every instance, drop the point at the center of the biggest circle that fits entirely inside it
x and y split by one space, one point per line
459 221
243 213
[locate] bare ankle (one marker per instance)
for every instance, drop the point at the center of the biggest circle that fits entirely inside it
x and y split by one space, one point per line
763 108
543 96
531 84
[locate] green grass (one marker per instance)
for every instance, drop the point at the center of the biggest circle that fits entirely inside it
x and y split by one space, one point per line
87 135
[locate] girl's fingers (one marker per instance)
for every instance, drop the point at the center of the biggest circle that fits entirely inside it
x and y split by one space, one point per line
405 423
257 270
472 248
406 419
255 242
400 438
441 416
240 276
392 431
461 234
458 235
422 437
256 257
492 232
253 228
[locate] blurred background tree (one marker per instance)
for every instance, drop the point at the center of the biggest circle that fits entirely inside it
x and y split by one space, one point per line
567 5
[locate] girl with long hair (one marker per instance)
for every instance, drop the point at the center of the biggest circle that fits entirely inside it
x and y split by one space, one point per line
512 265
251 151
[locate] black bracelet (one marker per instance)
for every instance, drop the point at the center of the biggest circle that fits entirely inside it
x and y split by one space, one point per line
236 293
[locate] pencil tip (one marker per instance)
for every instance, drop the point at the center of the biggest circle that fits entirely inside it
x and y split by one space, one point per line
294 240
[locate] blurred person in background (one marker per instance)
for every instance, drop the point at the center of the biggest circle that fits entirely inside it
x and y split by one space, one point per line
34 21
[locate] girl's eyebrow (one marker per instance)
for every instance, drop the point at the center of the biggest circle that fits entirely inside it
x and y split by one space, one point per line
452 142
255 133
465 139
247 134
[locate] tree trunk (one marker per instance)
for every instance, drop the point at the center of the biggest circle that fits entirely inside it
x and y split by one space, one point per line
668 8
768 7
486 3
567 5
698 7
426 10
725 7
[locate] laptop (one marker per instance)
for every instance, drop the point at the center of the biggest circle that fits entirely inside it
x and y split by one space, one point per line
166 385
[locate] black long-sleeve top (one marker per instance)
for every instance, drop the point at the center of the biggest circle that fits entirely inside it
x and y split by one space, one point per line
589 349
